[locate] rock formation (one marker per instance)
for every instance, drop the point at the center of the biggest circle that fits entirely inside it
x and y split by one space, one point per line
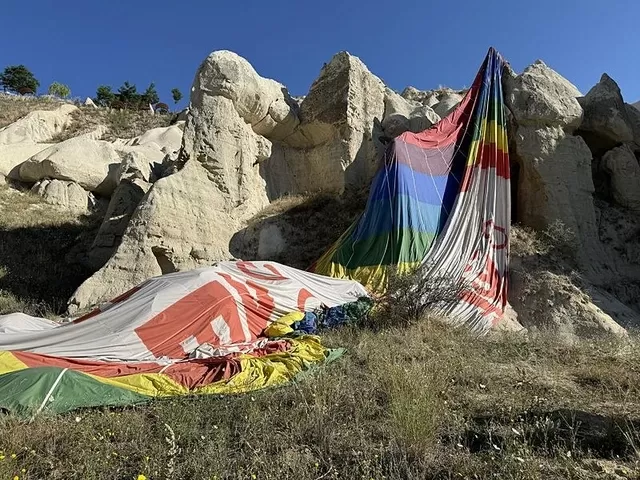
38 126
555 183
178 195
247 142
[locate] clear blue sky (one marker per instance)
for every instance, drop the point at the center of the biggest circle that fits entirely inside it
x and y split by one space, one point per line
422 43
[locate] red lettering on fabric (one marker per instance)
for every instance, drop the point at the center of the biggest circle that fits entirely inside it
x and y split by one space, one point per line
303 296
248 268
191 316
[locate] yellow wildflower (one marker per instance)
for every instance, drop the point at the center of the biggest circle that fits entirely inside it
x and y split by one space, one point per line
24 470
141 477
1 457
13 455
16 477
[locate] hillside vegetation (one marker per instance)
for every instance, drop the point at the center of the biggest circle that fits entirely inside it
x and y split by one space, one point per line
422 401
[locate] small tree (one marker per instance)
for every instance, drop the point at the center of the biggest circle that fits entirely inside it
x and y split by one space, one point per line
150 95
104 96
128 94
59 90
176 94
17 77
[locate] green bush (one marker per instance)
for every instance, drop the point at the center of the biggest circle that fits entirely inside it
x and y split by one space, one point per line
59 90
176 94
18 77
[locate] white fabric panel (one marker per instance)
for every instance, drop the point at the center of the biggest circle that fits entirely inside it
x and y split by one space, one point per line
111 335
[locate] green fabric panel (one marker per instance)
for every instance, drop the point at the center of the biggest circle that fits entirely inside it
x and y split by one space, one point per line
376 250
23 392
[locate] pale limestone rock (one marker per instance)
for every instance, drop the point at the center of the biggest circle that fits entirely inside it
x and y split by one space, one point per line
183 222
11 156
187 218
263 103
624 171
541 97
95 134
551 302
90 103
447 102
401 115
556 185
334 145
124 200
427 98
38 126
226 147
66 194
509 322
89 163
605 113
166 139
634 122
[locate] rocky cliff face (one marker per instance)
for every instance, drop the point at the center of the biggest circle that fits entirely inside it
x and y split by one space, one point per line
177 196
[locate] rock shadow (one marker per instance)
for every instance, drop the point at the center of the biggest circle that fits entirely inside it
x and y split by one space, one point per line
33 267
550 432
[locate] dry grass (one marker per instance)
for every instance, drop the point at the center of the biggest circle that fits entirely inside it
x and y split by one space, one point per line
417 401
296 215
422 402
13 108
119 123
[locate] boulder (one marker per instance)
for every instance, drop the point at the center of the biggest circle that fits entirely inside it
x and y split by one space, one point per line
426 98
509 323
90 103
624 173
38 126
447 102
89 163
166 139
66 194
552 302
555 185
634 121
271 242
224 144
263 103
11 156
541 97
401 115
605 113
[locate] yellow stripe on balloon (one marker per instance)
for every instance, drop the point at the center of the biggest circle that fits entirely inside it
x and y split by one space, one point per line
9 363
255 372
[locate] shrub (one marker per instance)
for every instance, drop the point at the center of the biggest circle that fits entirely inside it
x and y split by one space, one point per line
162 108
26 91
176 95
410 297
18 77
59 90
